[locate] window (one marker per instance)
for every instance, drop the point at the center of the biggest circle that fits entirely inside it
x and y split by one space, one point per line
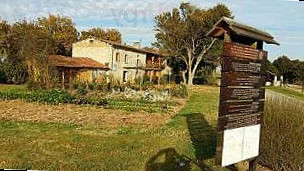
125 76
126 59
117 57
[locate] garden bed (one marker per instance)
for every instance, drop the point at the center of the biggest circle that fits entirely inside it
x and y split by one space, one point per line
56 97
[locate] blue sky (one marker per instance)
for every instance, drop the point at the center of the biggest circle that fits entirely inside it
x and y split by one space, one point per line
134 18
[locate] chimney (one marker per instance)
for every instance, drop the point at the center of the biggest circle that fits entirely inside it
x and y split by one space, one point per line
136 44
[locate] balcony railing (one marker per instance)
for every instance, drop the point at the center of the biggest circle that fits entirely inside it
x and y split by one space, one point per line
155 65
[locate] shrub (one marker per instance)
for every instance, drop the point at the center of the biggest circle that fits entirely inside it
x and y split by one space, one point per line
200 79
148 84
179 90
102 86
50 97
75 85
91 86
177 78
32 85
212 80
82 89
3 78
164 79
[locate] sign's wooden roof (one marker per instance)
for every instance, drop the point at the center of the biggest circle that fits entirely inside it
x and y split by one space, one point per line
240 30
76 62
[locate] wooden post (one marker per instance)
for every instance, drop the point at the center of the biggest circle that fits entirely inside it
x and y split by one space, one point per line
260 45
70 78
62 76
227 37
151 74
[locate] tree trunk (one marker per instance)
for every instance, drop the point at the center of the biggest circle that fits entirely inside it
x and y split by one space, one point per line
190 78
190 75
184 76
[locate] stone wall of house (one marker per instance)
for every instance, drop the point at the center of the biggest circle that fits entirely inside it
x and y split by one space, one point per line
127 61
97 50
122 61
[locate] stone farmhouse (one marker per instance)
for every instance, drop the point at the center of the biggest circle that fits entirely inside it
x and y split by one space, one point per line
126 62
93 57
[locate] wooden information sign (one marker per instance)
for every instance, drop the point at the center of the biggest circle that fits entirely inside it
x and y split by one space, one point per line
241 102
242 92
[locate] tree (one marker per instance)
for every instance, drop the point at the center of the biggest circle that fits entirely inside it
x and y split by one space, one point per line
182 34
37 46
28 57
62 30
300 66
111 34
287 68
4 32
270 67
14 66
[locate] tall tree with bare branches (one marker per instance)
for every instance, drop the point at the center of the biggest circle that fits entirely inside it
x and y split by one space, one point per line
182 34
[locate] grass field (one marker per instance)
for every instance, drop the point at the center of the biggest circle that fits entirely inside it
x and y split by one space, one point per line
184 141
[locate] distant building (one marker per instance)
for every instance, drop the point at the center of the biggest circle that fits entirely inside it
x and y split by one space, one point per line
126 63
273 79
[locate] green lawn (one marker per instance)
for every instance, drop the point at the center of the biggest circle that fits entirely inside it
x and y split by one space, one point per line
187 142
10 87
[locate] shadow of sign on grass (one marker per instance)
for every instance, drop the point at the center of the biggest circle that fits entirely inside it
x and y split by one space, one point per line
203 136
170 160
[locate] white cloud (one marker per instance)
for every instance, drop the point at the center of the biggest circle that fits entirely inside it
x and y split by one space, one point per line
134 18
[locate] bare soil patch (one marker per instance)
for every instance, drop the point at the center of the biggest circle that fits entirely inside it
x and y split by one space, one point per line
82 115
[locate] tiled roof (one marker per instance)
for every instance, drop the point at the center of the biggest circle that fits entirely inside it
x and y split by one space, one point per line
76 62
132 48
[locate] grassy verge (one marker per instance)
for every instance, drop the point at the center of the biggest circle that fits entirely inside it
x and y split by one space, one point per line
282 141
287 92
